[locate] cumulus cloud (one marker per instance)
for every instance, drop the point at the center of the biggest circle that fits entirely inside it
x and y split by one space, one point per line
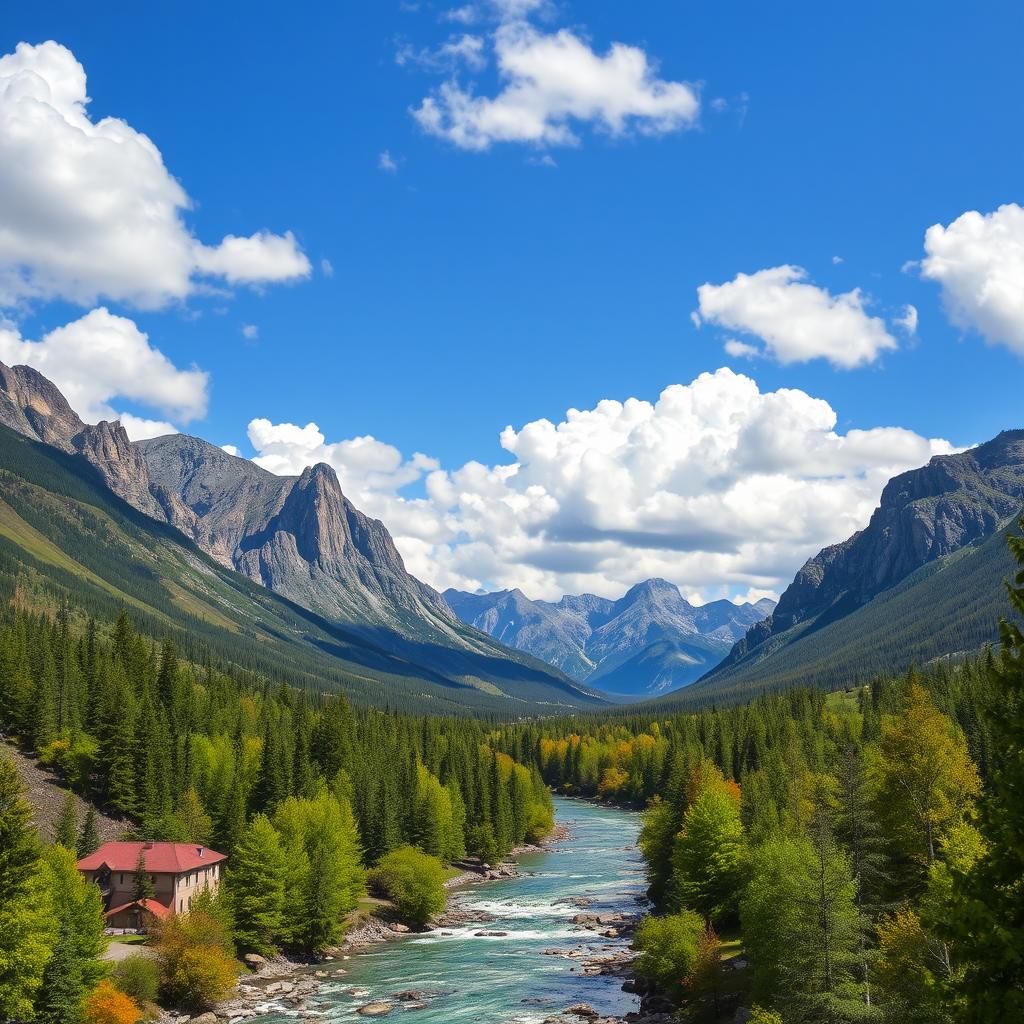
250 332
386 162
101 357
139 429
550 84
740 349
797 321
978 260
88 208
715 484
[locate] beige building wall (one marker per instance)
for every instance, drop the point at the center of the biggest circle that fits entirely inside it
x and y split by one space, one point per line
174 891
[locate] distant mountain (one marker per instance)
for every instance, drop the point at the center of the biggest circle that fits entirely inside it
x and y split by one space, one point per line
921 581
299 537
650 641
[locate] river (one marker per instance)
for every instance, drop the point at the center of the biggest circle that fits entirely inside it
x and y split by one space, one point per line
504 979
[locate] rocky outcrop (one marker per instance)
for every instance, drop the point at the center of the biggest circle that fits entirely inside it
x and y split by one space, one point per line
923 515
650 641
31 405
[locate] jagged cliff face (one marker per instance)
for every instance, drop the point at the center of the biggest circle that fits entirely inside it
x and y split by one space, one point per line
32 405
299 536
649 641
922 516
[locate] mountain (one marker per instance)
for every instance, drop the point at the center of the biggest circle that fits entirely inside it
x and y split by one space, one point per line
650 641
299 537
921 581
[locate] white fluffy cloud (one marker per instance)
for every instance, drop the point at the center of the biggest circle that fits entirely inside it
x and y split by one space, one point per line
101 357
979 262
797 321
88 209
716 486
552 82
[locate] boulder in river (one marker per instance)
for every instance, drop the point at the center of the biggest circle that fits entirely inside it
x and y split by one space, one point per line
376 1009
583 1010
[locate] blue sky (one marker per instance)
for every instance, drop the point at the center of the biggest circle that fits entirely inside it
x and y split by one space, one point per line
472 289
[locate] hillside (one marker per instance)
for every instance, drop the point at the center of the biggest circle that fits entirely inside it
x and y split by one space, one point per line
947 608
65 536
298 536
46 796
650 641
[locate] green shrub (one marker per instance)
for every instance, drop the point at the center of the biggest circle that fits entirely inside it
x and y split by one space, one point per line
138 976
481 843
414 881
669 948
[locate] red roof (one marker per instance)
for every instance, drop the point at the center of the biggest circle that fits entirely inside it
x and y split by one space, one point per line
161 858
154 907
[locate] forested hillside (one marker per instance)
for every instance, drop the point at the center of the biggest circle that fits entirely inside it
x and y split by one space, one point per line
861 848
65 537
948 609
304 793
919 582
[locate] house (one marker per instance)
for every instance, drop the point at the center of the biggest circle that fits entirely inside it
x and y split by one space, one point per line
178 872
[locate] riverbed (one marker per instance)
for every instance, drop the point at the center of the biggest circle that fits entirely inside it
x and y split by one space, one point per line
500 979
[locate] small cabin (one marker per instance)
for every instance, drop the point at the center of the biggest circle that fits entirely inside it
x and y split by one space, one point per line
178 872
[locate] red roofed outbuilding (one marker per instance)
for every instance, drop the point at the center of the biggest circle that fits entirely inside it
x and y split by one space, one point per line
178 872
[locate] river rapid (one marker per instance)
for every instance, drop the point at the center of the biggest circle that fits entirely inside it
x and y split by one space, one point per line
508 978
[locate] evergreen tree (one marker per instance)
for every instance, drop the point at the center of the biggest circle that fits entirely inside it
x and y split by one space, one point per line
61 992
142 882
26 923
89 837
78 905
985 918
66 831
256 884
706 854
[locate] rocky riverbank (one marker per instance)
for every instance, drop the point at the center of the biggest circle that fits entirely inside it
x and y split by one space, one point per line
281 983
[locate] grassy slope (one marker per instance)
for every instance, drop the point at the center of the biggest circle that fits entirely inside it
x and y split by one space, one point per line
947 608
65 536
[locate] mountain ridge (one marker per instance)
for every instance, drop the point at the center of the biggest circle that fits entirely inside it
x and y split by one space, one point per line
649 640
951 513
298 536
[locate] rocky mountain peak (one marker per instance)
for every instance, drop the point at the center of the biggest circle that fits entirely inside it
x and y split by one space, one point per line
922 515
31 405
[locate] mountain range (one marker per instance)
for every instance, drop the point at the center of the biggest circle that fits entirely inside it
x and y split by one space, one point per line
298 537
284 575
922 581
648 642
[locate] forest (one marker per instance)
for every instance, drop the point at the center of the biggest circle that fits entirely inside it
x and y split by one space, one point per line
864 847
303 792
851 843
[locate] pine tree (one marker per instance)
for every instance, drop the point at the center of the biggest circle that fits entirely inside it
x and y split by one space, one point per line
986 914
142 883
66 831
60 995
256 881
706 854
89 837
26 924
